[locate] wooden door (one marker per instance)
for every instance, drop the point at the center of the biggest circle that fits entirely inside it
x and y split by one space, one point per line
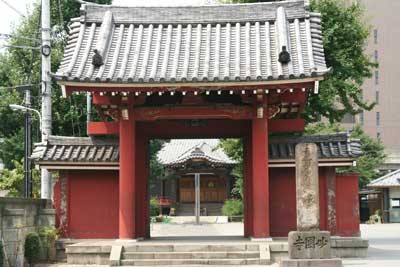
212 189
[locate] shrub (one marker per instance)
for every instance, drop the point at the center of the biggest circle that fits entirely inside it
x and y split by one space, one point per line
48 237
32 248
154 207
232 207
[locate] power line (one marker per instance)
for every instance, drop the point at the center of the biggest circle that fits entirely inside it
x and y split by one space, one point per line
16 86
7 36
21 46
13 8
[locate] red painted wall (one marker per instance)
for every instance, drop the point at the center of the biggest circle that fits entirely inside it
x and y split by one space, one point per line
93 204
283 201
347 205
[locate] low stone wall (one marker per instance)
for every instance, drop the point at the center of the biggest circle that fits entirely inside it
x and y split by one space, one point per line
18 217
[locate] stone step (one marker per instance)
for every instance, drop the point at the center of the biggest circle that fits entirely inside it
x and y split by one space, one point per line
191 255
159 262
192 248
212 265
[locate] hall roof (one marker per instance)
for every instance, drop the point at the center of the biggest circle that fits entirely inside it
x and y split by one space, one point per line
389 180
194 44
60 152
180 151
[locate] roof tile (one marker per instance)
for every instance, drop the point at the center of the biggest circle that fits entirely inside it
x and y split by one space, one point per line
194 44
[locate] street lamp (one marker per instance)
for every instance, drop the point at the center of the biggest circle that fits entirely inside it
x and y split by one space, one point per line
25 109
28 145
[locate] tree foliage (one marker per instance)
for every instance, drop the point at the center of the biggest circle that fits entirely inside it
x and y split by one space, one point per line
373 150
21 66
13 180
233 147
345 35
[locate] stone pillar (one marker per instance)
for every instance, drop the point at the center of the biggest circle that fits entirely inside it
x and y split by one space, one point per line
308 246
127 174
307 190
260 180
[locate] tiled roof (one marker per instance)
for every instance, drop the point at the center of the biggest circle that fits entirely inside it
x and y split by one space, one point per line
329 146
390 179
194 44
77 150
179 151
85 151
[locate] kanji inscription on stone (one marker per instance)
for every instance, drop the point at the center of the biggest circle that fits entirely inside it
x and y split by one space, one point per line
309 245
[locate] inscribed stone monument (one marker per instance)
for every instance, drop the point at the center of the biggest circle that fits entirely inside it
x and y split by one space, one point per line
308 246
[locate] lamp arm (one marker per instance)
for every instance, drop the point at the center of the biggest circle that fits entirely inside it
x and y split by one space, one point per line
39 115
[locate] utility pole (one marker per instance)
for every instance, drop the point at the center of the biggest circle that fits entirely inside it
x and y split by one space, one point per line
46 181
28 141
28 144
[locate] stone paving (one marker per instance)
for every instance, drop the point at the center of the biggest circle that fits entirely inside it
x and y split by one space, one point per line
384 246
204 229
384 241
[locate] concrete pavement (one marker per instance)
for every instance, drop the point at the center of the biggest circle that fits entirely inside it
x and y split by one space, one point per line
384 240
384 246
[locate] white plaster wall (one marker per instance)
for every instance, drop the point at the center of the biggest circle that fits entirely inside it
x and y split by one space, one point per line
394 192
394 213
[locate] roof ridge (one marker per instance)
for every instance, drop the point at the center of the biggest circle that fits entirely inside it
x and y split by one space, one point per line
306 3
383 177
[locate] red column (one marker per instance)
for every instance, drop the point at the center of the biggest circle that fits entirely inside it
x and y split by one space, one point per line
260 181
127 176
142 201
247 182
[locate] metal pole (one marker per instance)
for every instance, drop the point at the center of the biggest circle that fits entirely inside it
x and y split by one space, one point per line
46 182
88 110
197 197
28 145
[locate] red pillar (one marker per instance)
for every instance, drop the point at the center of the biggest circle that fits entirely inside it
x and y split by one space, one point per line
247 182
260 181
127 176
142 199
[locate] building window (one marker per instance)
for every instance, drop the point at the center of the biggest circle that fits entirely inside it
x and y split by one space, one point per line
377 97
376 36
378 119
376 77
395 203
348 118
362 118
376 56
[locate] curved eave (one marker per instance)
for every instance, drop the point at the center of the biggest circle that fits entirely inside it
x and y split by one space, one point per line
273 163
332 162
68 165
93 84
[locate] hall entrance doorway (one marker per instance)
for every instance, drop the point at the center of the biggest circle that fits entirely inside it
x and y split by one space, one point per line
212 189
196 180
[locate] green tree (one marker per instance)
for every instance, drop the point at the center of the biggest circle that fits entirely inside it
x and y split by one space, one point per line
13 180
21 66
373 150
157 171
233 147
345 34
